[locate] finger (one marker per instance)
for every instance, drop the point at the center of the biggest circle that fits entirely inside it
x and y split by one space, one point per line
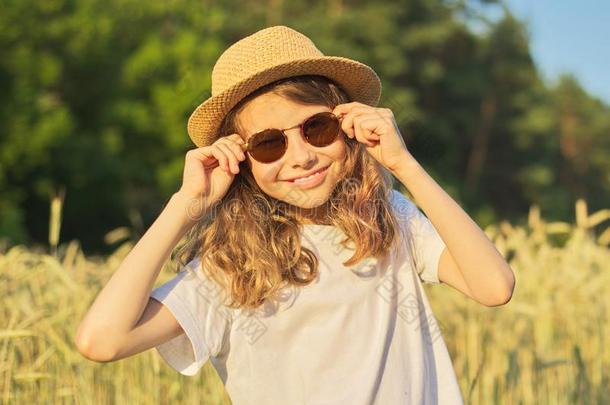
361 134
235 138
236 155
202 154
347 107
236 147
353 123
233 161
347 123
341 109
385 112
236 144
222 157
372 127
239 152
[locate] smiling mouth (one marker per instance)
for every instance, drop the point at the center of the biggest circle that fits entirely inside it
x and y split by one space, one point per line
310 177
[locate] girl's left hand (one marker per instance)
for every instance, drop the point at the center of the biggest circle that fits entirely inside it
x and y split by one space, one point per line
377 129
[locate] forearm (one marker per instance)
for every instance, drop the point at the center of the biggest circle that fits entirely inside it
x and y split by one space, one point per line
121 302
483 268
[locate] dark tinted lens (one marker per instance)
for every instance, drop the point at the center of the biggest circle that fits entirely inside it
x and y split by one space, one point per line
322 129
268 145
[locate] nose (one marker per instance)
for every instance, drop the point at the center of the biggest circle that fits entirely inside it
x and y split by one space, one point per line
299 152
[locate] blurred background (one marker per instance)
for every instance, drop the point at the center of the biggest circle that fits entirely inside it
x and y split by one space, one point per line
505 103
95 97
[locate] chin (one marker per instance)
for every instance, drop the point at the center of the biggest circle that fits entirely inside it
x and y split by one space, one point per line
314 204
307 199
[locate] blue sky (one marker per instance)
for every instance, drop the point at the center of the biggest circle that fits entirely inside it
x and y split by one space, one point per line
569 36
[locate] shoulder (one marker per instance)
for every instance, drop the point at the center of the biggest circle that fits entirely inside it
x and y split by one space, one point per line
212 286
195 283
398 198
403 207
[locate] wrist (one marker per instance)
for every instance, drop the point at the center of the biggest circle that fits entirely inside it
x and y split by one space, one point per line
406 168
188 209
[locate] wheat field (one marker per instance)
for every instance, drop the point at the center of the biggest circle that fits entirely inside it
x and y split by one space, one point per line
547 346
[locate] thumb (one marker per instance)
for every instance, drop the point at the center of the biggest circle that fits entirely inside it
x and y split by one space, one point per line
339 109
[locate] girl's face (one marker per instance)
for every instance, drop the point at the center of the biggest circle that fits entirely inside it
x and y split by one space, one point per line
273 111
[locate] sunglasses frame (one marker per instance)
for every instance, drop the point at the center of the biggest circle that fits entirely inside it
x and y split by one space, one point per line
245 146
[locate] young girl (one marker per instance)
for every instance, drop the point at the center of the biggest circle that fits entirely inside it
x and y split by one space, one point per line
301 276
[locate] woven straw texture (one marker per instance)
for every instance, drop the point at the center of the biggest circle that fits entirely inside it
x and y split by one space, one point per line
266 56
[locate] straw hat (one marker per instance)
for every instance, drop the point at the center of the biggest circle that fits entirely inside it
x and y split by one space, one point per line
266 56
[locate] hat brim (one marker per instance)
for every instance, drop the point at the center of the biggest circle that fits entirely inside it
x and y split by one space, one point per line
358 80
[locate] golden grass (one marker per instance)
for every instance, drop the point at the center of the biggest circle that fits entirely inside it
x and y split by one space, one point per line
546 346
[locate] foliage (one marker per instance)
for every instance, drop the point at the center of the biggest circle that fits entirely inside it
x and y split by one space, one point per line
94 98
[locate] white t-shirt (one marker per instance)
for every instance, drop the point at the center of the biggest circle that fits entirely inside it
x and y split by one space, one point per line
357 335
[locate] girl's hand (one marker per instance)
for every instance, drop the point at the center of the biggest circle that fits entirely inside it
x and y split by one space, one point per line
377 129
209 171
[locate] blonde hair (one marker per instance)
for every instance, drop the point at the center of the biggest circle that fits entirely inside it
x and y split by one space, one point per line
250 242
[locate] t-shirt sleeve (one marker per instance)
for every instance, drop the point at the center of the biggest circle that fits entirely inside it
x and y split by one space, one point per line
194 300
427 243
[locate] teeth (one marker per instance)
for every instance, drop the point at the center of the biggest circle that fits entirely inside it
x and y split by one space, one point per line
302 179
305 178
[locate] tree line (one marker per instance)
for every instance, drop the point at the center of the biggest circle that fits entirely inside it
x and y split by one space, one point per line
94 98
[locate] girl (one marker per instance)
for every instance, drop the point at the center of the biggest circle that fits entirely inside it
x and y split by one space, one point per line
301 276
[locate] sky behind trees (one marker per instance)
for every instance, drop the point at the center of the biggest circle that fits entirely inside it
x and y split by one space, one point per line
569 36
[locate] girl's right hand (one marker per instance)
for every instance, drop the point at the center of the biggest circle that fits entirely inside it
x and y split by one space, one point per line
210 170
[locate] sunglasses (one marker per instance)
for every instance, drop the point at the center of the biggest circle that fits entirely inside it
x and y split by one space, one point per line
269 145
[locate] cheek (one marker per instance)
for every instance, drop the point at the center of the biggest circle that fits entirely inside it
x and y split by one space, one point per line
340 158
339 152
264 173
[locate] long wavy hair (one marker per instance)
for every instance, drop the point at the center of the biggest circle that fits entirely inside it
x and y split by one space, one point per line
249 243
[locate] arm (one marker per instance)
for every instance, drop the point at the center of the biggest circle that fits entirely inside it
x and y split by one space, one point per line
123 319
470 263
